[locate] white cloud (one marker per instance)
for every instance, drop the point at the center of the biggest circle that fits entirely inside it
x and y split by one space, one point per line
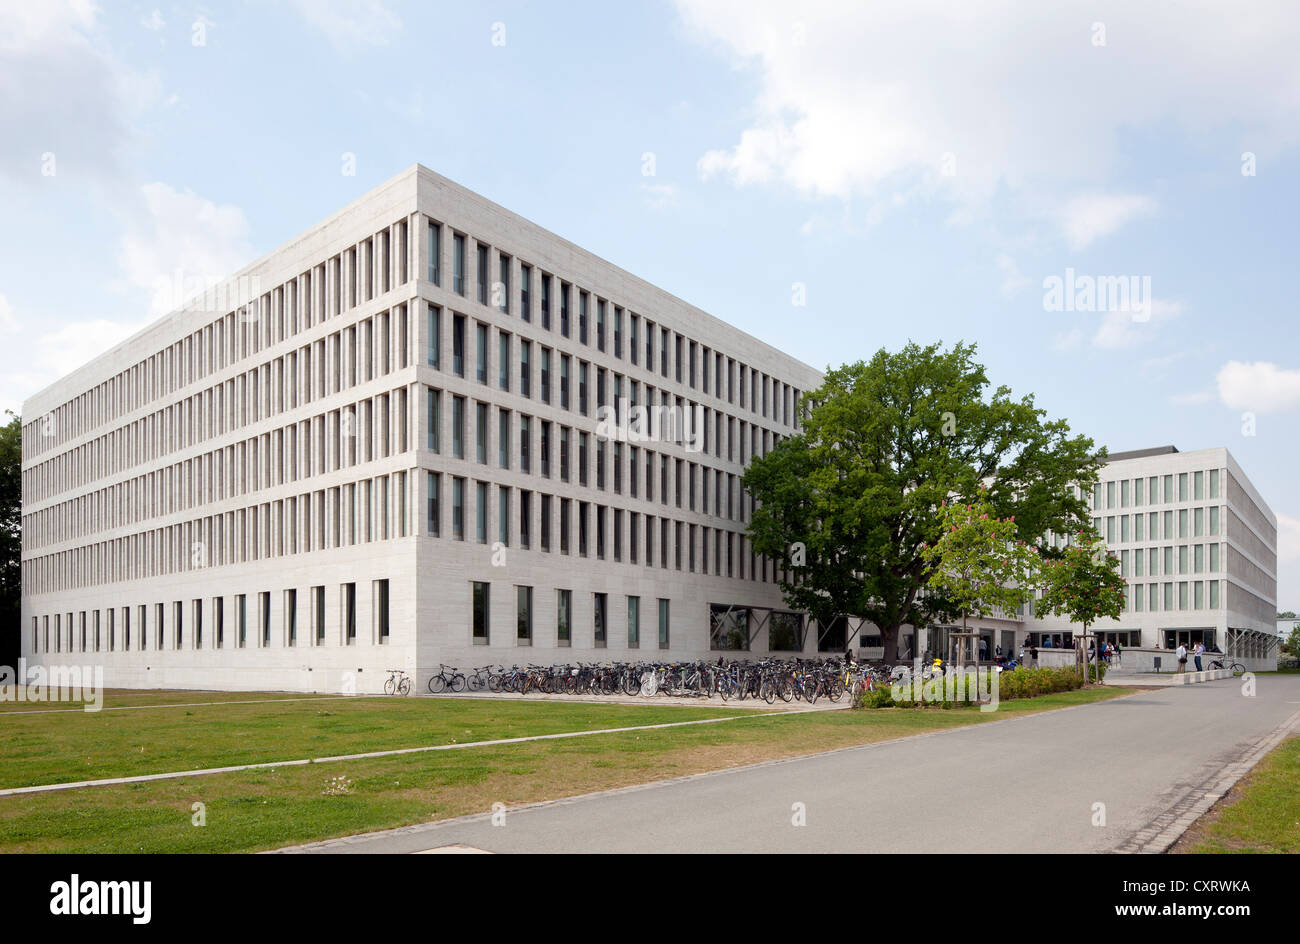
64 350
1086 218
349 24
1197 398
59 352
180 240
1288 539
1119 329
63 93
1013 280
154 21
1259 386
845 106
8 323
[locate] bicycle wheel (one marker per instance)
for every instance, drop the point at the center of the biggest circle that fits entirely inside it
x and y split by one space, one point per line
437 684
404 687
475 682
390 687
1237 668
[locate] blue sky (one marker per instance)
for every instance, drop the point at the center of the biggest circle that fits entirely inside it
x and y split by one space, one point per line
919 168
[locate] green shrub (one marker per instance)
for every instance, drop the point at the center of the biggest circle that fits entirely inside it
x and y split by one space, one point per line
880 698
1017 683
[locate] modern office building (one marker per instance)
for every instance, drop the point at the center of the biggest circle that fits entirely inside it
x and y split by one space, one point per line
424 431
428 431
1198 547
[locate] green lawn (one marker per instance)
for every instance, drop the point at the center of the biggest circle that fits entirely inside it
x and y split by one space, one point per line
252 810
1263 812
115 698
61 747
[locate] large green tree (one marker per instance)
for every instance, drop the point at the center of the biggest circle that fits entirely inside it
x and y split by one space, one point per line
884 444
10 536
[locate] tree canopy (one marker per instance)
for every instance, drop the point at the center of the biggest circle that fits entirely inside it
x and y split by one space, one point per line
884 444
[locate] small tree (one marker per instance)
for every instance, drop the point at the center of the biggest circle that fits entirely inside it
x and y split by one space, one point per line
979 564
1083 583
1291 645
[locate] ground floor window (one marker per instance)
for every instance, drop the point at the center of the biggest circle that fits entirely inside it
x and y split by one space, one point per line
349 613
1173 638
480 618
1050 640
633 622
563 611
728 626
834 636
524 615
785 632
382 610
599 612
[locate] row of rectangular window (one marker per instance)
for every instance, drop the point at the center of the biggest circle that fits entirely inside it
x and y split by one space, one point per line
480 618
631 535
689 480
170 629
1159 525
374 509
1193 558
368 430
1123 493
683 355
365 271
353 355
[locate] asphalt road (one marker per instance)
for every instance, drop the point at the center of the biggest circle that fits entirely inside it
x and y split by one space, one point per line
1026 784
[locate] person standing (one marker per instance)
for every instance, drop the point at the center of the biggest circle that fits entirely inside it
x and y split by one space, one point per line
1119 653
1196 655
1181 652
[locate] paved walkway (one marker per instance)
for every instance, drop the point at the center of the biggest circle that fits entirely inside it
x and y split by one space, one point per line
1025 784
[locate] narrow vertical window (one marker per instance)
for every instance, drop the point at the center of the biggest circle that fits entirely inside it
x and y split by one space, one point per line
435 337
435 253
479 603
381 610
458 264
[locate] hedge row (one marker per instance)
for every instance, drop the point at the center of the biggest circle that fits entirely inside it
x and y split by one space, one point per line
1018 683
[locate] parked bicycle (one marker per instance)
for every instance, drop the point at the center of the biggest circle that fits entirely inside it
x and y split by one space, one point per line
447 678
1236 668
399 683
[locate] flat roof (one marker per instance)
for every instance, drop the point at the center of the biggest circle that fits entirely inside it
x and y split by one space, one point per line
1141 453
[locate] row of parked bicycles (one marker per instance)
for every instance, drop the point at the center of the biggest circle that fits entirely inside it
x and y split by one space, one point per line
766 679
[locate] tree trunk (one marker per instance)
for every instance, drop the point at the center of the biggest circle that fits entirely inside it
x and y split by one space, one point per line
889 641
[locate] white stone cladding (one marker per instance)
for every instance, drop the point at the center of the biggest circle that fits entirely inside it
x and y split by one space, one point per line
138 466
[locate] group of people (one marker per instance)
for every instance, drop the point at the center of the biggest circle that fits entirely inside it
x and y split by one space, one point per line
1110 652
1197 652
